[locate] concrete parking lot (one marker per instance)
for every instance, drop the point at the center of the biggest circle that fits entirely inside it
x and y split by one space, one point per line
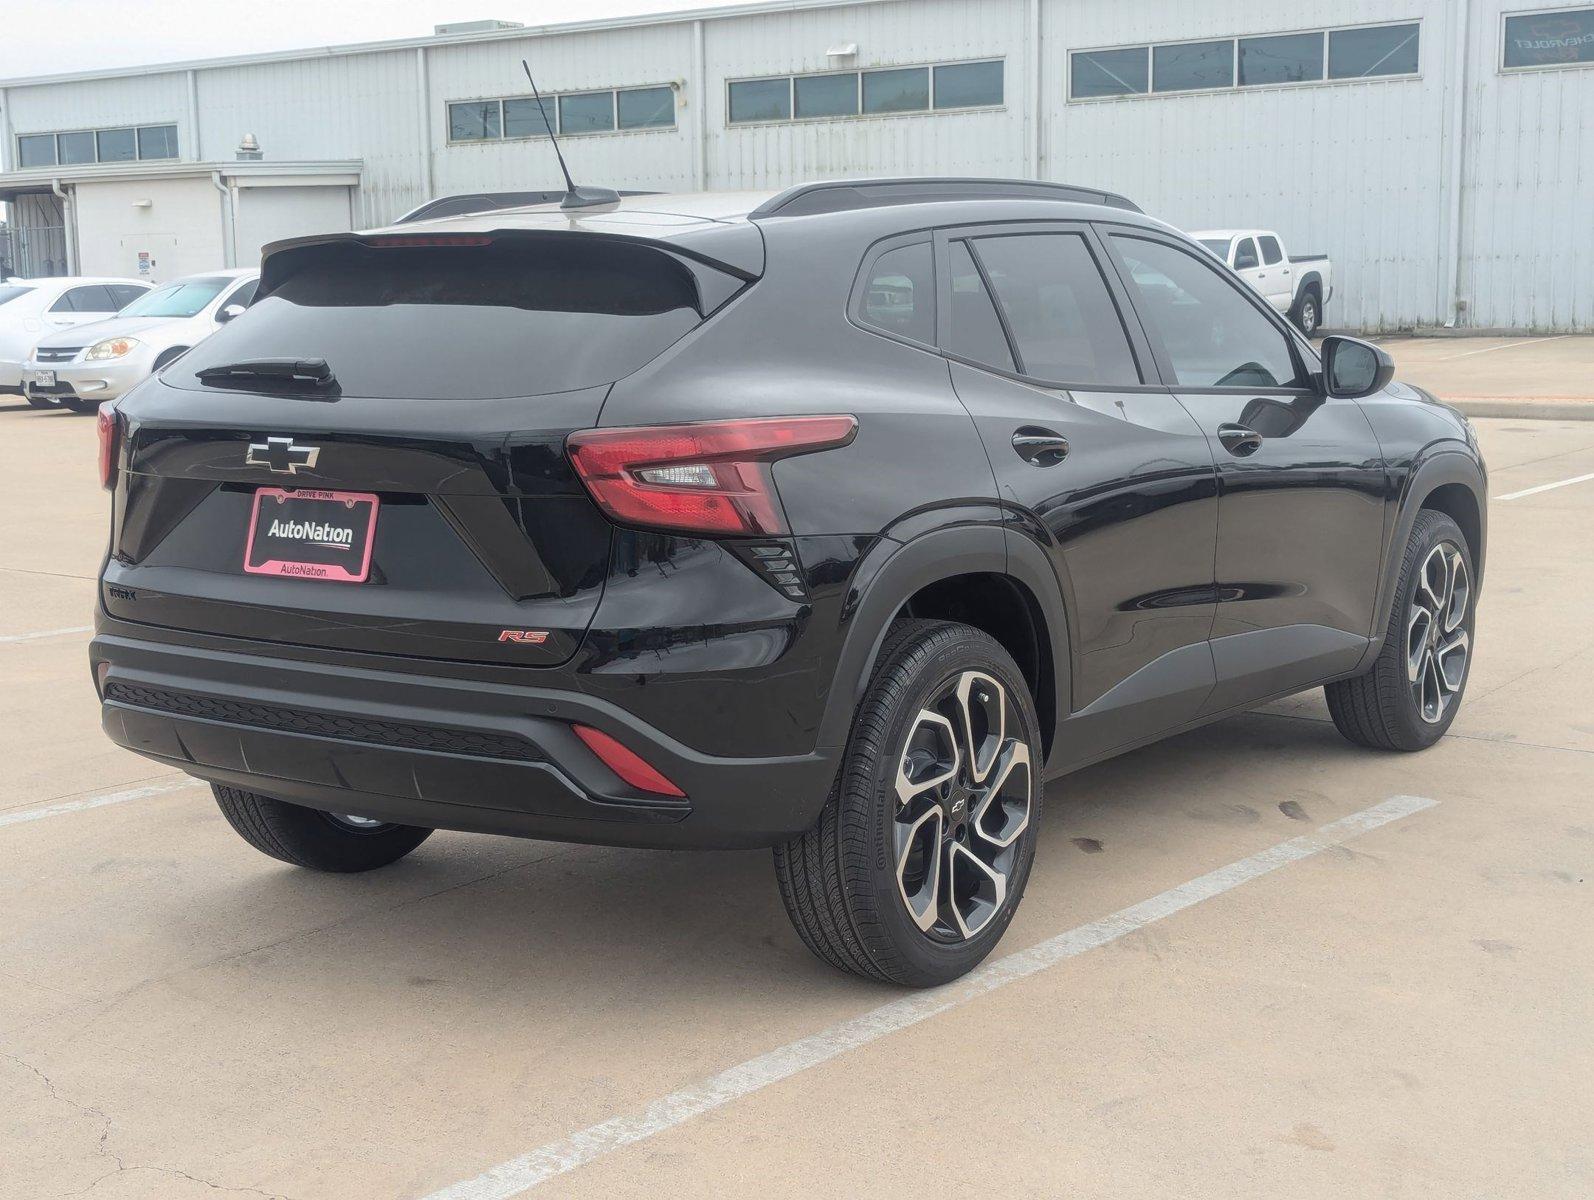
1252 961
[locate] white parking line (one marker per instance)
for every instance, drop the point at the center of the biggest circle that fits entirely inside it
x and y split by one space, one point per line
1514 344
1546 487
521 1174
87 802
44 633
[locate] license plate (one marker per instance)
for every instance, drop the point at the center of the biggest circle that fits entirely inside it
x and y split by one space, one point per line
311 534
42 379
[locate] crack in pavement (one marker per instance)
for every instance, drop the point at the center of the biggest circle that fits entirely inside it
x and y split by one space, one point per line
103 1148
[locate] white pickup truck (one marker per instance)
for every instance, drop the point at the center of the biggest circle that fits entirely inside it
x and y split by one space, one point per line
1298 285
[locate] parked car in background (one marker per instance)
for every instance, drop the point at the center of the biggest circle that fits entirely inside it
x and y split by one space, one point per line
1298 285
81 368
33 308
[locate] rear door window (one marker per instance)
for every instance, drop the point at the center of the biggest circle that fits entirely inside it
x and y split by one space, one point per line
513 317
1271 252
1058 309
91 298
975 331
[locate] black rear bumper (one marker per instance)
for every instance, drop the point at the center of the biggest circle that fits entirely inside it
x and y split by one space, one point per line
427 750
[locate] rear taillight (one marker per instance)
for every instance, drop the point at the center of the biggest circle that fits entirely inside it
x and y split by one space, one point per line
110 433
711 478
630 766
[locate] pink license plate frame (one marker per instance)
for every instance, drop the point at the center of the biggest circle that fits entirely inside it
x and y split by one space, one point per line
303 569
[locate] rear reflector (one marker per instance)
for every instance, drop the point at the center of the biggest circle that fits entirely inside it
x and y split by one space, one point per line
109 428
711 478
627 764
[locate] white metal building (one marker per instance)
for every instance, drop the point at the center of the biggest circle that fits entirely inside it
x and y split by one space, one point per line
1442 151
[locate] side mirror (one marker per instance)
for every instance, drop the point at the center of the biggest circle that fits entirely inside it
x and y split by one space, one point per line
1245 260
228 313
1353 368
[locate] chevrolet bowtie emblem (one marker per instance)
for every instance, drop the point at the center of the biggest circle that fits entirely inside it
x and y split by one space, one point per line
280 455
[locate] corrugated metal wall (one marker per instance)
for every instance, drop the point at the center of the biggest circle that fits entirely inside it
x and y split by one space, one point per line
1366 172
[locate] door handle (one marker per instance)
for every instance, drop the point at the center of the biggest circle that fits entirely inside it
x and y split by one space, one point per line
1042 447
1238 440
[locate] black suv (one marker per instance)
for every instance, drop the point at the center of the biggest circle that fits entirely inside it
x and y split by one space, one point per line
837 521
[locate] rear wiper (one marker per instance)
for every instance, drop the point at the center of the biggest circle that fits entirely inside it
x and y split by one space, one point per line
261 372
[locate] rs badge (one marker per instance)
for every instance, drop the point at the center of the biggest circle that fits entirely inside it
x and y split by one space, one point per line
530 637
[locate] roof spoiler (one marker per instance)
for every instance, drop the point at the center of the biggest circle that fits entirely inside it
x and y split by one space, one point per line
807 199
478 202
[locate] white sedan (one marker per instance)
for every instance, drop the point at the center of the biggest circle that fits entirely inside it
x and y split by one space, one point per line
34 308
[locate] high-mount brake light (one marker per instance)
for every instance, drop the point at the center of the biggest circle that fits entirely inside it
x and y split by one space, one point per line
421 239
711 478
109 427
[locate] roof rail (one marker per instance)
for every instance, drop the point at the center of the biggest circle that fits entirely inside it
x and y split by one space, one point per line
475 202
806 199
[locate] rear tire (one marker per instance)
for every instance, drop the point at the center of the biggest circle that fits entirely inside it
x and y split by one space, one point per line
919 858
1309 311
1414 688
307 837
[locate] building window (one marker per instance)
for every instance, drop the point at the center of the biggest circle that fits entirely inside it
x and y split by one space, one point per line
1365 53
825 95
1561 38
1190 66
1312 56
83 146
569 114
1288 58
1110 72
968 85
645 108
883 91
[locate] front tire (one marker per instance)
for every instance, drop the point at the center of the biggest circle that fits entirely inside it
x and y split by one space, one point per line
1413 691
307 837
920 856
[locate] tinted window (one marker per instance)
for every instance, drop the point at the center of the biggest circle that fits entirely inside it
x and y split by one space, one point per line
243 295
1058 309
827 95
1212 334
976 331
586 112
1290 58
1551 39
1245 255
1109 73
903 90
157 141
1192 65
519 317
124 294
181 299
90 298
36 150
1271 251
473 121
968 85
75 147
117 145
1361 53
523 119
761 100
9 292
1218 246
899 295
645 108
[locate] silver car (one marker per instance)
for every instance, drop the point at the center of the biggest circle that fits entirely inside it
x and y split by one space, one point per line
81 368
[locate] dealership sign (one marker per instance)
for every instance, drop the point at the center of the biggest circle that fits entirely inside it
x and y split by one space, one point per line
1550 39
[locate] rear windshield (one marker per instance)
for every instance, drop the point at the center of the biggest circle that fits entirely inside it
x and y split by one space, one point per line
516 317
185 298
9 292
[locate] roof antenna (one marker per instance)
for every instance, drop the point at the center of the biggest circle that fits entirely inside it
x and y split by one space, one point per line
575 197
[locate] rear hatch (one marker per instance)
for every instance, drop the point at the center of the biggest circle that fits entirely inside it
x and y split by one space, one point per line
372 457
